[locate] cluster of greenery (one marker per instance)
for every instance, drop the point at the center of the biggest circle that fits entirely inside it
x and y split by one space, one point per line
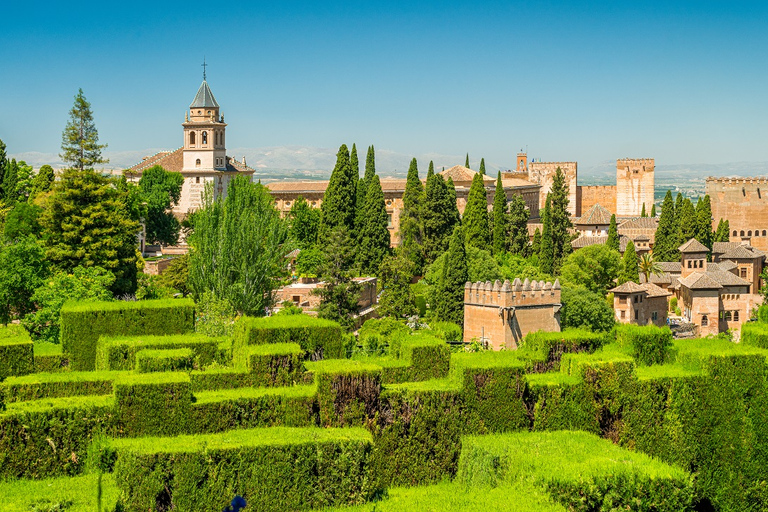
680 221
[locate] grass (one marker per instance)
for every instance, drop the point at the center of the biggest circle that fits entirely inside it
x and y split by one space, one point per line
78 493
205 397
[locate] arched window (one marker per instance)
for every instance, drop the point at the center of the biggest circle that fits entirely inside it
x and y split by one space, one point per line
742 233
205 137
191 138
735 316
704 321
749 233
727 316
197 163
216 137
735 232
763 232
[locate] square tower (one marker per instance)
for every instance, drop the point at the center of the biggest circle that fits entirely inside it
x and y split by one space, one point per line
634 186
204 134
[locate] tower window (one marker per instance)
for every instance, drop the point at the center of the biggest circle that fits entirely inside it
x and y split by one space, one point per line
734 232
197 163
197 178
191 138
205 137
704 321
735 316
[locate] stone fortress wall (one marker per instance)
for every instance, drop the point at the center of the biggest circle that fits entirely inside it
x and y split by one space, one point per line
744 203
543 173
589 196
634 186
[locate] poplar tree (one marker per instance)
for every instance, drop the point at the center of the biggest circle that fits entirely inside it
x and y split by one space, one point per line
653 210
547 246
688 223
450 296
411 221
665 244
475 220
613 234
518 226
500 237
560 221
704 221
437 218
630 270
339 201
482 166
374 236
642 212
80 140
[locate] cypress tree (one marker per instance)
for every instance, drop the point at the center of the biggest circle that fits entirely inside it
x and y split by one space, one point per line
339 201
536 243
362 185
431 169
665 245
10 179
630 270
455 216
560 221
437 218
450 296
642 212
499 218
354 162
547 251
482 166
704 221
613 234
678 211
374 236
411 223
3 163
475 220
688 222
517 226
723 232
466 163
653 210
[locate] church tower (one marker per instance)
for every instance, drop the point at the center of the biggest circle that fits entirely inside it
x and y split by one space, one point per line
204 134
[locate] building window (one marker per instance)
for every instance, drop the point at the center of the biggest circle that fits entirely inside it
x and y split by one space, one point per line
734 232
742 233
197 178
637 315
636 298
735 316
197 163
763 232
191 138
655 316
288 203
205 137
704 321
296 299
743 273
727 316
749 233
389 220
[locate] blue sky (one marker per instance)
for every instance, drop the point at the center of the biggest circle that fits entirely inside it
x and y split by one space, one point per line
684 82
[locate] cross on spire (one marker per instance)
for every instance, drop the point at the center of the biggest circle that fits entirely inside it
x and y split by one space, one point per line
204 65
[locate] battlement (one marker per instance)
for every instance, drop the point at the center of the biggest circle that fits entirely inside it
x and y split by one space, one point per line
566 165
517 293
737 180
648 163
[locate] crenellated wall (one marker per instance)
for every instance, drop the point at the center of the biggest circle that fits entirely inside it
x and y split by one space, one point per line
634 186
744 203
543 173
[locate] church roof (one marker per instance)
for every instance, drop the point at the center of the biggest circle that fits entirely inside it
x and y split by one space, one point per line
173 161
693 246
596 215
204 97
459 173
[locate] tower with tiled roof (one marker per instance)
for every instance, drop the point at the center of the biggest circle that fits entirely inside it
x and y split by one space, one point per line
204 133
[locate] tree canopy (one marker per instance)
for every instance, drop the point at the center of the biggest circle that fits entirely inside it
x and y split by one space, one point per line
161 190
475 219
594 267
80 146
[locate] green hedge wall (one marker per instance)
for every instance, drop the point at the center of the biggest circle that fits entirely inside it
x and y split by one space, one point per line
220 378
153 404
542 351
424 357
320 339
755 333
649 344
347 391
50 358
168 360
278 469
58 385
83 323
119 353
276 364
16 352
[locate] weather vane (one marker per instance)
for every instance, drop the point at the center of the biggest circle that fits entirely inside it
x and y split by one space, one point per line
204 65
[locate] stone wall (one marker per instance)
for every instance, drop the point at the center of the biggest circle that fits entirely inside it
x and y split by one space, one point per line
544 172
634 186
589 196
744 203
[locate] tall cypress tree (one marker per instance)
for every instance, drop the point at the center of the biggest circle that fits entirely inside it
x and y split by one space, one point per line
339 201
374 239
354 162
653 210
678 210
466 162
630 270
450 296
560 221
536 242
475 220
665 245
613 234
547 250
411 223
723 231
362 187
688 222
704 221
455 216
500 237
517 226
482 166
642 212
10 179
437 217
3 163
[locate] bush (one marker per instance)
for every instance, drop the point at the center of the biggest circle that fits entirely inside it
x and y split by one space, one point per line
447 331
153 404
58 385
317 337
545 349
120 352
50 358
347 391
673 304
215 317
168 360
276 364
582 308
650 344
83 323
16 352
423 357
755 333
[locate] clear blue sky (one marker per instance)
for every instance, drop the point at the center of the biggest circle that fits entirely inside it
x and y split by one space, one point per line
684 82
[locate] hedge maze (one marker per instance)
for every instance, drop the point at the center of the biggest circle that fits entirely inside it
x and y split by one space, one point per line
161 418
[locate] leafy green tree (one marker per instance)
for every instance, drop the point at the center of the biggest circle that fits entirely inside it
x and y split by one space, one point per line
583 308
437 217
594 267
648 267
340 296
21 221
466 163
547 250
613 241
80 140
630 270
238 246
309 261
500 238
688 222
87 223
723 233
10 179
81 284
642 212
475 220
339 201
161 190
482 166
3 163
304 223
560 221
665 245
176 276
23 268
25 176
449 305
397 299
411 223
514 266
374 235
653 211
517 226
704 221
43 180
481 266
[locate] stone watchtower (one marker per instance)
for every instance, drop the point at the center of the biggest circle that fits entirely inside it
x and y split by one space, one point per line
500 315
204 134
634 186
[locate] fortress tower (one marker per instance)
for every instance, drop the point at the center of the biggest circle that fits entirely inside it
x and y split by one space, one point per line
634 186
543 173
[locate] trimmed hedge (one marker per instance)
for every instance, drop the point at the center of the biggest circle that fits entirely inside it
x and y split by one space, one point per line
277 364
580 470
65 494
50 358
83 323
277 469
347 391
649 344
58 385
755 333
16 352
170 360
119 353
153 404
320 339
425 357
542 351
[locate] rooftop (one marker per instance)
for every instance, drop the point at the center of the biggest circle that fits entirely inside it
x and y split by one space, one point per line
204 98
693 246
596 215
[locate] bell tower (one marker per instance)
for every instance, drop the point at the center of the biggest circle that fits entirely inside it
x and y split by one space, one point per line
204 133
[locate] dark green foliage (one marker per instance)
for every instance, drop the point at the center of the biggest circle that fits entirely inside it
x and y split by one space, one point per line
339 201
275 364
83 323
305 222
43 180
309 262
437 217
517 226
23 269
88 223
22 221
168 360
547 244
373 235
594 267
643 213
650 344
560 221
466 163
49 358
630 271
475 219
411 217
362 185
317 337
153 404
341 294
58 385
161 190
176 275
315 469
613 234
548 347
3 164
536 242
449 298
723 232
397 299
347 392
482 166
10 181
688 222
582 308
500 237
422 356
16 357
704 221
453 206
665 247
238 247
653 211
80 140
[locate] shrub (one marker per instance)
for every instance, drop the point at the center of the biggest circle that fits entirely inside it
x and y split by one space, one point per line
153 404
447 331
168 360
120 352
50 358
16 352
215 317
347 391
317 337
755 333
545 349
276 364
649 344
58 385
673 304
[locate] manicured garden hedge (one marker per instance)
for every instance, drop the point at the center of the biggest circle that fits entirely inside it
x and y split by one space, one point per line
423 357
320 339
58 385
153 403
119 353
279 469
168 360
16 352
755 333
83 323
347 391
49 357
542 351
275 364
648 344
212 379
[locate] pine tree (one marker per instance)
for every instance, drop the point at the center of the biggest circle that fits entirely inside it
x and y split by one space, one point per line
437 218
613 234
475 220
536 242
450 296
704 221
688 222
665 245
630 270
339 201
560 221
466 163
642 212
411 223
80 140
482 166
653 211
374 239
517 226
547 251
500 238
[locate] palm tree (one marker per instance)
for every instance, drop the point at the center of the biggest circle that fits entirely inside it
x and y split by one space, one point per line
647 266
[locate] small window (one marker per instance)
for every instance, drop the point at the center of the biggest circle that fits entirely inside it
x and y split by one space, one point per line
637 314
735 233
743 192
727 316
704 321
197 178
735 316
623 314
288 203
763 232
389 220
205 137
742 233
209 112
197 163
637 298
654 316
199 112
749 233
743 273
296 299
191 138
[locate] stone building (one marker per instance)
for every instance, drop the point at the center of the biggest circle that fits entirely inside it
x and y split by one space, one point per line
303 293
640 304
595 222
202 159
740 201
500 315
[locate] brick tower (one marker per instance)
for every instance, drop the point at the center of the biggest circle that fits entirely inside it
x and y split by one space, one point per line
634 186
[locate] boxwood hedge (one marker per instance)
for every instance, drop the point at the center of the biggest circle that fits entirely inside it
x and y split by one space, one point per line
153 404
16 352
169 360
119 352
320 339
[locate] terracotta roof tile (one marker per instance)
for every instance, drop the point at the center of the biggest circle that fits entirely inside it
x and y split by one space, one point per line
673 267
700 281
694 246
654 291
640 223
628 287
596 215
739 252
